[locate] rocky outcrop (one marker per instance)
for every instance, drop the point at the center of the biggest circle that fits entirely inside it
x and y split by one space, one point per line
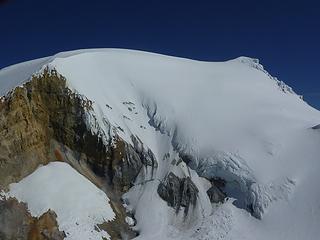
215 192
116 228
216 195
31 116
17 223
178 192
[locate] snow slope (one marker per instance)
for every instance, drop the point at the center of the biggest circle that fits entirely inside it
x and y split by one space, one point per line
234 119
78 203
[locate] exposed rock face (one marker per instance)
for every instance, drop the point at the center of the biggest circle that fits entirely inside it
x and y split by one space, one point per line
44 121
23 139
216 195
146 155
125 166
45 109
17 223
117 230
178 192
32 115
46 228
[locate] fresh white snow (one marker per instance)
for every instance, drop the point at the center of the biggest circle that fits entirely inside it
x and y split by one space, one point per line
233 117
78 203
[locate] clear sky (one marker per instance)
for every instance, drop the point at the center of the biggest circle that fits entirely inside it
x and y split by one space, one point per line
283 34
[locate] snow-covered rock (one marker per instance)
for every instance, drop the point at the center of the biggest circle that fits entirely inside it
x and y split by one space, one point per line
80 206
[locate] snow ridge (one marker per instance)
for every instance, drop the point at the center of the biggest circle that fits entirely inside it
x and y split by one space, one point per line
255 63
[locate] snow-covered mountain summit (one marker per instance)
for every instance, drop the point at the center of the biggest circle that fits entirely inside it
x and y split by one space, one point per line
224 132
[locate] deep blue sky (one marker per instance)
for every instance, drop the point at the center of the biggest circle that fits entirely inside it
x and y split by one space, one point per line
284 35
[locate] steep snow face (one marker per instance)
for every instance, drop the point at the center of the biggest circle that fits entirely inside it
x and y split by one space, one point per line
78 203
232 106
233 118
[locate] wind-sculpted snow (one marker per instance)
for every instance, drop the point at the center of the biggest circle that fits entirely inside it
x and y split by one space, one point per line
261 196
234 170
240 182
202 120
254 63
